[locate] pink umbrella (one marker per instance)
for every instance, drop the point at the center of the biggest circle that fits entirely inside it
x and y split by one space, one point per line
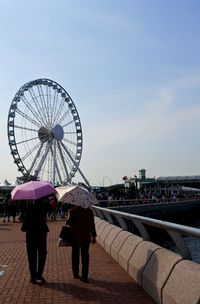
32 190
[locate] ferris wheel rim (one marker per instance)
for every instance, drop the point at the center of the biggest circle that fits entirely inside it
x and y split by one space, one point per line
56 134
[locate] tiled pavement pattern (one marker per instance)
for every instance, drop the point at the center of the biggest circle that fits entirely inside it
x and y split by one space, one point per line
108 282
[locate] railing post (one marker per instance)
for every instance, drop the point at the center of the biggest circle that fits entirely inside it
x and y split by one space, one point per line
99 213
108 217
180 244
121 221
143 231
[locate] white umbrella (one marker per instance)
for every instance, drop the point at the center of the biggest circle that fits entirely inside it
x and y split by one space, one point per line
75 195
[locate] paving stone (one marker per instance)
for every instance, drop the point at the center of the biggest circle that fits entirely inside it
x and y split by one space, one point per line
108 282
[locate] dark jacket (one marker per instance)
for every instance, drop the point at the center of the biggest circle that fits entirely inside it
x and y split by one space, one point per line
82 222
35 218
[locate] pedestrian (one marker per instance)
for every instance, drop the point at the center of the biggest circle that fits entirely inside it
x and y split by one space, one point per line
13 209
22 210
81 220
62 210
53 204
6 208
35 226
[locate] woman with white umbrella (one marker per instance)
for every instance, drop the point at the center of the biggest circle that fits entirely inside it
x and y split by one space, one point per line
81 219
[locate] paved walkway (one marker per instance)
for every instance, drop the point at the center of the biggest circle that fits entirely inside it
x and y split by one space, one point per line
108 282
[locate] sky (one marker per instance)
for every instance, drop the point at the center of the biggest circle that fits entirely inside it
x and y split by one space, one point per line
132 68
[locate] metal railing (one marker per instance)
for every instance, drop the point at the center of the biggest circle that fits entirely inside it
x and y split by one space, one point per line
175 231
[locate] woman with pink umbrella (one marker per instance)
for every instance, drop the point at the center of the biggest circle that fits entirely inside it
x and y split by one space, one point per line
35 194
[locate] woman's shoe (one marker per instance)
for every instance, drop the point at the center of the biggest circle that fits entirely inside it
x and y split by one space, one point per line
40 281
77 276
33 281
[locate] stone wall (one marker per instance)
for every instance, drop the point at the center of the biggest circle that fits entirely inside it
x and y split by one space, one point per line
163 274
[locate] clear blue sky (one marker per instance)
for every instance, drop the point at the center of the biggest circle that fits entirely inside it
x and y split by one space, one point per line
132 69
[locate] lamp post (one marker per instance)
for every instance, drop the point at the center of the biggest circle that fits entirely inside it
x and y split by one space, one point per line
104 180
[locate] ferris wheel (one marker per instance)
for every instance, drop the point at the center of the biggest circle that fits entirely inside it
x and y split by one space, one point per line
45 133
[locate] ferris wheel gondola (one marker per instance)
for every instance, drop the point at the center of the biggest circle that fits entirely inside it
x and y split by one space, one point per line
45 133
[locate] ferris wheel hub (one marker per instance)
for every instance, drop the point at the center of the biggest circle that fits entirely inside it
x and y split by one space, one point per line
44 134
58 132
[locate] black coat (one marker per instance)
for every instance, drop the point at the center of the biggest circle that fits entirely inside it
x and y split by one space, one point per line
35 218
82 222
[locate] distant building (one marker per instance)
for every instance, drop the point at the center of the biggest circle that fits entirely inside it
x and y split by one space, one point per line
165 185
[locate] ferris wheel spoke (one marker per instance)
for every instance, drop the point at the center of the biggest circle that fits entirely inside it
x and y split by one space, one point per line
63 160
48 104
42 97
54 105
69 141
43 104
30 152
68 151
29 106
73 155
28 118
24 128
63 116
51 109
59 110
37 104
67 124
43 101
70 133
25 141
73 132
39 167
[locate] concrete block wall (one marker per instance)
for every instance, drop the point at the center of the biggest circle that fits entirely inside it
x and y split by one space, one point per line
163 274
183 285
140 258
127 249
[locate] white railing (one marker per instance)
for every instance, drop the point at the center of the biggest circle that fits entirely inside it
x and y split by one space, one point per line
175 231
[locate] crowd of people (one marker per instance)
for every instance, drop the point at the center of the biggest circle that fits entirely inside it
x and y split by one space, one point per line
15 210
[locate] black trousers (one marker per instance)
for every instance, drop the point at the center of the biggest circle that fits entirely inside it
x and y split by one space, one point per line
84 250
36 246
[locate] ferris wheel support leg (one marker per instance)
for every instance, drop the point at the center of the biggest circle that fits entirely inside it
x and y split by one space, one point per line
83 176
36 156
55 167
79 170
42 160
54 162
63 162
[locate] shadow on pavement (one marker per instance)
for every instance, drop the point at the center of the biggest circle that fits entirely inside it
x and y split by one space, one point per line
96 290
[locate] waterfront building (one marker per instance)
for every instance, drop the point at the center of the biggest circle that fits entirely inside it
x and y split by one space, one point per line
164 185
